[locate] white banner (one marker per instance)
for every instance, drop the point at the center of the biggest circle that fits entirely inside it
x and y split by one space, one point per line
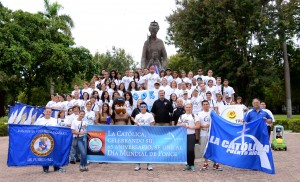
148 96
233 113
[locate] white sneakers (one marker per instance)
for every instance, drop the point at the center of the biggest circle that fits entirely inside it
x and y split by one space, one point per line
138 167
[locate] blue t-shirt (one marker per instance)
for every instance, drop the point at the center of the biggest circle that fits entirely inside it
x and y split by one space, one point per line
253 115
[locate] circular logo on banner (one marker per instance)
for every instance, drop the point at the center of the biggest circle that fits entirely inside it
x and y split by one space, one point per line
231 114
42 145
95 144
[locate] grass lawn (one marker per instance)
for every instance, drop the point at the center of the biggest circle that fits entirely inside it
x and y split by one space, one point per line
282 116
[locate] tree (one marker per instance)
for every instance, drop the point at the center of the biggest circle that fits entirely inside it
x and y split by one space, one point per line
34 50
239 40
52 12
116 59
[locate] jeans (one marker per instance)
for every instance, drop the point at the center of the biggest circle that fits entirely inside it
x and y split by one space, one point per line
74 153
191 138
81 145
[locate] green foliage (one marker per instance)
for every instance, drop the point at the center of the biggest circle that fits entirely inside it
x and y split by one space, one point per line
180 62
116 59
294 125
283 122
240 41
34 50
3 126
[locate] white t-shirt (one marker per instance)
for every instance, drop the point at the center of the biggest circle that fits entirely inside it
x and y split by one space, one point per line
202 95
61 122
126 80
151 80
46 122
178 80
204 118
144 119
106 101
68 104
228 91
88 90
168 91
213 91
89 117
78 91
212 104
189 120
50 103
270 114
207 78
169 78
220 106
78 102
71 118
95 107
129 108
76 126
197 104
186 80
117 82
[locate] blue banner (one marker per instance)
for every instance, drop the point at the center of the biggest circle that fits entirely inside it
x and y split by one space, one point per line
136 144
26 114
243 146
38 145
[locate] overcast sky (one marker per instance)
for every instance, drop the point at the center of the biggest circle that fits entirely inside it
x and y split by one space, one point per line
101 24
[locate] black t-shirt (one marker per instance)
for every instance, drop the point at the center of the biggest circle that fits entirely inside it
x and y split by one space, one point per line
177 113
162 110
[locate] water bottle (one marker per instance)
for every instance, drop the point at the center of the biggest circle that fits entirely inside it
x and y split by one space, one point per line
108 120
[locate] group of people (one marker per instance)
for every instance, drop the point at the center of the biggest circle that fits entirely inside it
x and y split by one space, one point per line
182 101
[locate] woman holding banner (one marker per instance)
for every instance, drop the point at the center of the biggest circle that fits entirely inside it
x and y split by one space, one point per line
191 123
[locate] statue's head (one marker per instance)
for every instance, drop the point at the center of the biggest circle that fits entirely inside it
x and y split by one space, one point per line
153 28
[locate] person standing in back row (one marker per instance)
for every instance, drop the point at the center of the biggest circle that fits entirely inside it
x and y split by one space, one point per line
161 110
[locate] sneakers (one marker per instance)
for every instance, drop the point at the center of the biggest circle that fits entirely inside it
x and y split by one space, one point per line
81 168
137 167
72 162
193 168
46 171
86 168
149 167
217 167
205 166
187 167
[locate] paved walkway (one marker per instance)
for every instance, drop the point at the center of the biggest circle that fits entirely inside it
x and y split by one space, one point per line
286 165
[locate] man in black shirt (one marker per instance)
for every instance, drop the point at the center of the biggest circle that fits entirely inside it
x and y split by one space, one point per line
161 110
178 111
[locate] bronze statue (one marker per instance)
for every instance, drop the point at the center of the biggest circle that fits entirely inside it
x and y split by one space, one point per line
154 52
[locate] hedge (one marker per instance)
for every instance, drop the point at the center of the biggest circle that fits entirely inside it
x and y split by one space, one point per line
3 126
289 124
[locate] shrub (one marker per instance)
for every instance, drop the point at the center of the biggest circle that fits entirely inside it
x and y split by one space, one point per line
283 122
294 125
3 126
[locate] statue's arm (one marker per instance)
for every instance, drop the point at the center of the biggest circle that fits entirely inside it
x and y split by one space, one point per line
164 56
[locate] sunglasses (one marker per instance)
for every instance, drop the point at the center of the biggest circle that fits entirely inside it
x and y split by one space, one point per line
143 107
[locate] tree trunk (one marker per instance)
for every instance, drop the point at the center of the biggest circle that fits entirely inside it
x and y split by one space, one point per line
2 103
287 79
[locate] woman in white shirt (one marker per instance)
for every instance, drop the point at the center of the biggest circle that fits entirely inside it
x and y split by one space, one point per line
79 129
191 123
90 116
144 119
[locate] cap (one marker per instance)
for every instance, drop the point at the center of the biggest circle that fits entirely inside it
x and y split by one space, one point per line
168 69
196 90
199 78
185 92
157 83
